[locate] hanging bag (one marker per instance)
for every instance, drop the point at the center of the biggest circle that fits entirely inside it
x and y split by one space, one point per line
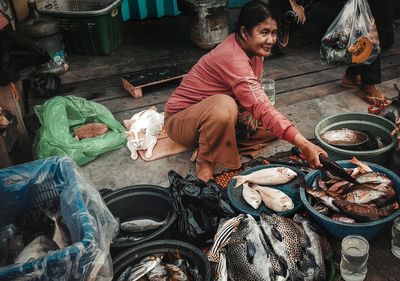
352 38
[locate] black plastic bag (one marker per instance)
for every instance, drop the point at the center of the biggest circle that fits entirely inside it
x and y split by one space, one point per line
199 205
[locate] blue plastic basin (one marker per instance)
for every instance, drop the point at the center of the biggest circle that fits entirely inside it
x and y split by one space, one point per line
369 230
291 189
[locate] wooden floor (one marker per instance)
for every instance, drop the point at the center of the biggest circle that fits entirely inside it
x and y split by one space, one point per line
303 83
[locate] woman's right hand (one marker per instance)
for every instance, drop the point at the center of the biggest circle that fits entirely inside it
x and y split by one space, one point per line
309 150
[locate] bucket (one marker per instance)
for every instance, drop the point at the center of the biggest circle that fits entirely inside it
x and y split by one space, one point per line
188 252
141 202
209 23
375 125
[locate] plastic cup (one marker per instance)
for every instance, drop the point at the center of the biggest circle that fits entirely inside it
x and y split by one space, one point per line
353 265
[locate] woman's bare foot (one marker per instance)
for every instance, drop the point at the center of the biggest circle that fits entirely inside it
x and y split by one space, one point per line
204 170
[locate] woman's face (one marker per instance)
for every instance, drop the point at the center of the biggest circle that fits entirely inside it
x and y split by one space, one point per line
261 39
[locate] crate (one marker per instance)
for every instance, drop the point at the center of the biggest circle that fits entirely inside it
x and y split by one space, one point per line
237 3
90 32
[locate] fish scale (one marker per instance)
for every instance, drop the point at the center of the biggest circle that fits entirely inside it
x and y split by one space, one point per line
239 268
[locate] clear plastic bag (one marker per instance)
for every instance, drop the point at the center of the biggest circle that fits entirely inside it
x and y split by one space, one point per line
352 38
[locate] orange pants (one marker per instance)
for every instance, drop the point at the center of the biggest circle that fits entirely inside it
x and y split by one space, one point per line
210 126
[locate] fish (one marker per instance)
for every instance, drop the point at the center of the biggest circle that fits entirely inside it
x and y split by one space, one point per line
361 212
61 235
125 274
126 239
267 176
175 273
39 247
239 267
141 225
323 197
344 137
220 269
361 167
341 218
373 177
287 240
251 196
144 266
221 238
363 196
159 273
315 249
90 130
320 208
339 187
274 199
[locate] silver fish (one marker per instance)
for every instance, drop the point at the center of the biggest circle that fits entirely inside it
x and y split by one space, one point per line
159 273
144 266
365 195
220 269
38 248
341 218
125 274
267 176
222 237
61 234
239 266
274 199
324 198
141 225
315 248
373 177
251 196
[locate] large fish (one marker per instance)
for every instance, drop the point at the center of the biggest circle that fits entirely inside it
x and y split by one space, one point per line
315 249
220 269
274 199
365 195
251 196
267 176
141 225
39 247
373 177
247 254
159 273
361 212
287 240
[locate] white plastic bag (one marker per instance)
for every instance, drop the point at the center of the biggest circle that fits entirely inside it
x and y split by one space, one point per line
352 38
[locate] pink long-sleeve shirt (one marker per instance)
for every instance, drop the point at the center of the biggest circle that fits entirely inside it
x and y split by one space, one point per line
228 70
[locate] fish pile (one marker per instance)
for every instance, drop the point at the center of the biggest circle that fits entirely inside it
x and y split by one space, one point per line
278 248
161 267
372 198
256 188
135 230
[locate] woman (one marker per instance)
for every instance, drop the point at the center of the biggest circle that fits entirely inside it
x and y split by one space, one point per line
203 111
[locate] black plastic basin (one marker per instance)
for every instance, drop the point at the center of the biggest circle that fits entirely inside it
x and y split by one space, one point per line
188 252
142 202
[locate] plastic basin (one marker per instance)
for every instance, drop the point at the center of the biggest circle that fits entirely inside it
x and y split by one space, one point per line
369 230
375 125
291 189
141 202
190 253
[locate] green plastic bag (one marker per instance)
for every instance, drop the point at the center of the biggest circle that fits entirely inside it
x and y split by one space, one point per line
60 115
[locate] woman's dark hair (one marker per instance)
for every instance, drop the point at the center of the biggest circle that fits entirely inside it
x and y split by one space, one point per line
252 14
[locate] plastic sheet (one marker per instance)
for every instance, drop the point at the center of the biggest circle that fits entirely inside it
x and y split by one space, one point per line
86 216
352 38
199 205
60 115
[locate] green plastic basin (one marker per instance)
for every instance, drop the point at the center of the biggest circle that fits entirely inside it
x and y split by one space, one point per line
374 124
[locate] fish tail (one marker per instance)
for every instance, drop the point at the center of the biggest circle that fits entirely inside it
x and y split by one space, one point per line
239 180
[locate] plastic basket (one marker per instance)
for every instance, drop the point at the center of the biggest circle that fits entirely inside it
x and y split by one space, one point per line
87 32
81 254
